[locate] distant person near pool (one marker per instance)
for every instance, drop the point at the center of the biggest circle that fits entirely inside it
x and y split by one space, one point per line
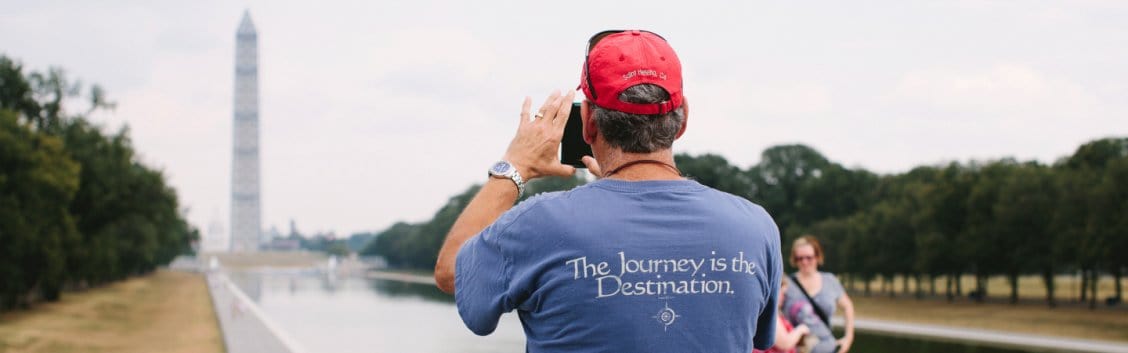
640 260
823 291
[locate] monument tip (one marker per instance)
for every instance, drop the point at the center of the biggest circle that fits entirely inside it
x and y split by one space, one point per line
246 26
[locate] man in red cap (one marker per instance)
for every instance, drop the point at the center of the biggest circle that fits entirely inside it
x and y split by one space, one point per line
640 260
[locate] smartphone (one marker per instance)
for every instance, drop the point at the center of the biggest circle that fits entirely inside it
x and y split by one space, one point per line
572 146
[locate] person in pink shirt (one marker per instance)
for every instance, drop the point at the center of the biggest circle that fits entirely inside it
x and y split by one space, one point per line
787 337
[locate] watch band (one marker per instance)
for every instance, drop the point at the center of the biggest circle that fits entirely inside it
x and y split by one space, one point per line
516 178
504 169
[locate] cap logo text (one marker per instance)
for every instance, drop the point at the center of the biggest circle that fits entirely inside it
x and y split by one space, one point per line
644 72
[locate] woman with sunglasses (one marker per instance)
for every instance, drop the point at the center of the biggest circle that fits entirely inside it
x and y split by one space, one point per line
823 291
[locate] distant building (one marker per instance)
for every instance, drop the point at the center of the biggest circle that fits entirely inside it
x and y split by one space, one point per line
294 233
282 244
270 235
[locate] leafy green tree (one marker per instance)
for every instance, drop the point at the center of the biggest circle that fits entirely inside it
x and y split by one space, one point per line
337 248
77 209
37 182
834 234
542 185
990 218
1070 220
1023 212
417 245
1089 210
714 171
778 179
948 210
388 243
358 241
1109 219
832 192
859 252
16 93
424 249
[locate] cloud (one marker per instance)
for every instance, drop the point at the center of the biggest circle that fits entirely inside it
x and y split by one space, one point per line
379 111
1005 109
1011 90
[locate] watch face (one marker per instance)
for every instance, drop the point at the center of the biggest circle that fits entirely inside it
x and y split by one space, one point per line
500 167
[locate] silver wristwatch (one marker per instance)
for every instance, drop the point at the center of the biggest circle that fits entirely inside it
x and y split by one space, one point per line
503 169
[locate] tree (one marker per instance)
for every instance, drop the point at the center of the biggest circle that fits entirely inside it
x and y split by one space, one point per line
16 94
389 242
1000 217
714 171
985 246
37 182
1023 212
948 210
337 248
1090 209
76 206
778 178
358 241
1108 220
833 191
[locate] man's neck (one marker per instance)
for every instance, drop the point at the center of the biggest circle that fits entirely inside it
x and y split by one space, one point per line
616 158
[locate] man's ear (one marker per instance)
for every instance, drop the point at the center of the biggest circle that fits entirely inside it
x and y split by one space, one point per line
590 130
685 117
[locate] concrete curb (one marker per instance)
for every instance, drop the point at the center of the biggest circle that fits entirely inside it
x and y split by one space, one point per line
260 334
986 337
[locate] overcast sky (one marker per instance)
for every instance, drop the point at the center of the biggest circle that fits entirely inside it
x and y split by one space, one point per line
373 112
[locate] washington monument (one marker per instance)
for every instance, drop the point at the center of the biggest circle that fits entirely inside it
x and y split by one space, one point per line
245 211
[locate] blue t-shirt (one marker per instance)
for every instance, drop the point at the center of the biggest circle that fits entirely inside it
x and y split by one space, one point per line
618 266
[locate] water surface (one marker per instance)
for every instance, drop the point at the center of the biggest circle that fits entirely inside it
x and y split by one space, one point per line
369 315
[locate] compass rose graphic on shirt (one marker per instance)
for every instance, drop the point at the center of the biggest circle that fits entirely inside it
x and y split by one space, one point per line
666 316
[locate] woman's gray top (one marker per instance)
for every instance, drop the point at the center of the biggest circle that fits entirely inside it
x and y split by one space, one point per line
827 300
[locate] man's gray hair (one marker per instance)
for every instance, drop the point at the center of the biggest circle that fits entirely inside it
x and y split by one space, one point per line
637 133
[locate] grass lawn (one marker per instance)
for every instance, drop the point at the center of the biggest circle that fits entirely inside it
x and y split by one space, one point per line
163 312
1110 324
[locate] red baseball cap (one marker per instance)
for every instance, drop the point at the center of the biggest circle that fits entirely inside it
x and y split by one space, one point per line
618 60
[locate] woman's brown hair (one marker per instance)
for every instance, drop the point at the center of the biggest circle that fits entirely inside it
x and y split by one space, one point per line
807 240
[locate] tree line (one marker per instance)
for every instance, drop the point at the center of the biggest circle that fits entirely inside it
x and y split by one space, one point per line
933 223
77 209
416 245
981 218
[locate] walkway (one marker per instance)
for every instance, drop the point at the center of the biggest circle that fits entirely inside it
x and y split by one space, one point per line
401 277
987 337
245 328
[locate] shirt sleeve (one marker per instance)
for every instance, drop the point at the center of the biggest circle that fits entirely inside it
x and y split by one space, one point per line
835 286
766 323
480 284
484 286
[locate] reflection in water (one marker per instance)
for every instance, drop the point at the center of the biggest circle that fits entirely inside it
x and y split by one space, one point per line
329 283
250 283
349 314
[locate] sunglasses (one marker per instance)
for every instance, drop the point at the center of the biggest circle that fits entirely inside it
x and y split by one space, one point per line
591 44
803 258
